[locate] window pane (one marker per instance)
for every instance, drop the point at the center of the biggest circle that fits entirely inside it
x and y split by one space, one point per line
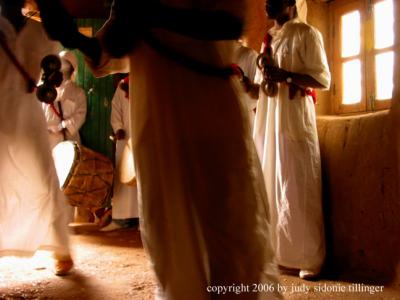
383 18
351 82
351 34
384 75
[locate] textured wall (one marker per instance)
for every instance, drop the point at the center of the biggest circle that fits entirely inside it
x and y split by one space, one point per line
256 24
361 194
361 163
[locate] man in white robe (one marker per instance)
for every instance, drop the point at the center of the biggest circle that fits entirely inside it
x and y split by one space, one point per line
32 207
124 200
202 211
68 112
66 115
246 59
287 143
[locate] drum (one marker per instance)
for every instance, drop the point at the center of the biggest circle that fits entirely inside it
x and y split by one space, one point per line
126 165
85 176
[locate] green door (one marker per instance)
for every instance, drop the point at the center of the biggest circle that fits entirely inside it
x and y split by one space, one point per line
99 91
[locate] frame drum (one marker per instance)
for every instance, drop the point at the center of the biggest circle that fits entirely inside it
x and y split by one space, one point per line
85 176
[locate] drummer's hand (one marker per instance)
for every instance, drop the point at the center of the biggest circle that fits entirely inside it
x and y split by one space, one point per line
55 128
120 134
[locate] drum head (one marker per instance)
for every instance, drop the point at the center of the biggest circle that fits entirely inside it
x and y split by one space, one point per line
64 155
127 173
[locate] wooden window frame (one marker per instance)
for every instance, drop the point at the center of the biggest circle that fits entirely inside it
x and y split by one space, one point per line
367 54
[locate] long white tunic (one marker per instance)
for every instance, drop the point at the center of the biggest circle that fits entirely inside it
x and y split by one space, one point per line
32 207
124 201
203 216
286 139
73 104
246 58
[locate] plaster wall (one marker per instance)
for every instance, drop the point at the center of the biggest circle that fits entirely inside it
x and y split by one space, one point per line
361 194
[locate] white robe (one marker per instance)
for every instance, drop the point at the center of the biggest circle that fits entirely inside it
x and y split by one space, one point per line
202 198
32 207
124 201
74 106
246 58
286 139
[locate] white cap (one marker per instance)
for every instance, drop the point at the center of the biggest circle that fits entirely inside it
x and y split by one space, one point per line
71 57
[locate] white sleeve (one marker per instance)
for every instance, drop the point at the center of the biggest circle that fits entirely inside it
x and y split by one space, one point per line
315 57
246 59
77 118
116 110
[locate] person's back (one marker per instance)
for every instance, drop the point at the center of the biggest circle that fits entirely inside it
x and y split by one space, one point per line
203 216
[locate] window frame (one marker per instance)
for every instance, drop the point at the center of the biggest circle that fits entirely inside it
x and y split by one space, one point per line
367 54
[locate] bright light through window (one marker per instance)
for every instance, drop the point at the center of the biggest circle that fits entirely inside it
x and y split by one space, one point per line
352 82
384 75
384 20
351 34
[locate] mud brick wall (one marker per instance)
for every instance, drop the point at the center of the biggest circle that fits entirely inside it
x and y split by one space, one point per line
361 195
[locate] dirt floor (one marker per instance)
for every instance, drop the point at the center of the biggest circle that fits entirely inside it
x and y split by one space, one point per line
113 265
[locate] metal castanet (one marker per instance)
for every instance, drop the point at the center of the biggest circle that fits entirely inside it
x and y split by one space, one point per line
264 60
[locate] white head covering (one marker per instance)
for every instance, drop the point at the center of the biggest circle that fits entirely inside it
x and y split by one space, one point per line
301 6
71 57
